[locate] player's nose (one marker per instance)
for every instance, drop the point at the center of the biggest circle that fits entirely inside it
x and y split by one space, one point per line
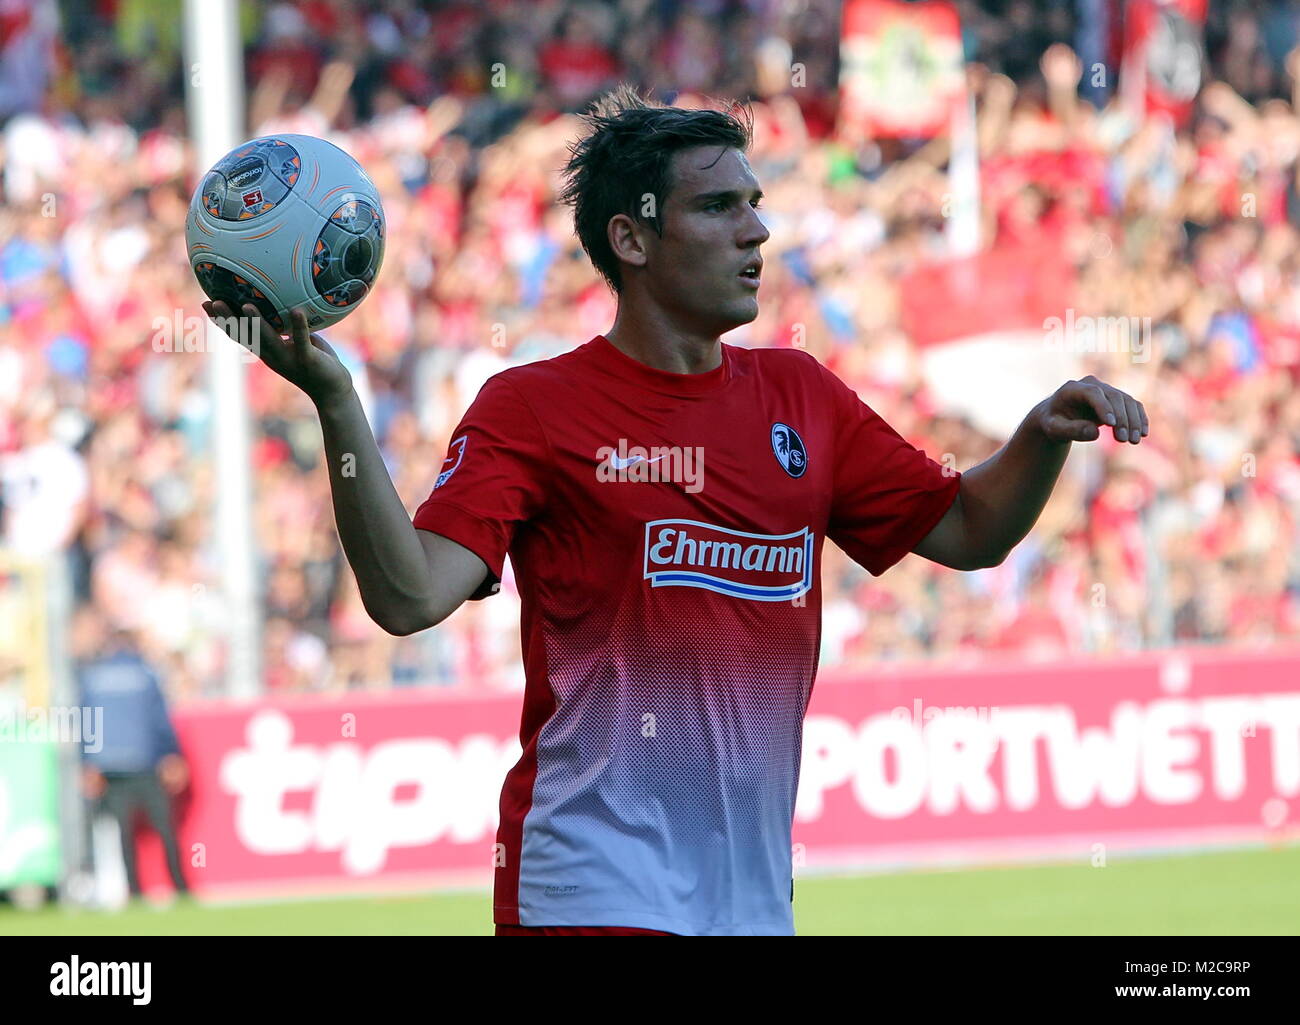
755 232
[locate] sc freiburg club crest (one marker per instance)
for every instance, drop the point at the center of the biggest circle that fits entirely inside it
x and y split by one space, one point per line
788 448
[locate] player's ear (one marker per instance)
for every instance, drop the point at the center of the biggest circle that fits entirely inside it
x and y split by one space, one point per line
627 240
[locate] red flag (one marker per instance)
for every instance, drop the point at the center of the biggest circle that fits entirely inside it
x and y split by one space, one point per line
900 66
1164 44
1011 288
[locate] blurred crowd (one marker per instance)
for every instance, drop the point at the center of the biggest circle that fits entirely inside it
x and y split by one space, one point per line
462 114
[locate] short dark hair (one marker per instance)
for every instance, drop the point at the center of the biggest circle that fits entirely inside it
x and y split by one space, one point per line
627 156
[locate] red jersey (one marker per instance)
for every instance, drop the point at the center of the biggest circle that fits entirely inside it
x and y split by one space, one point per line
665 532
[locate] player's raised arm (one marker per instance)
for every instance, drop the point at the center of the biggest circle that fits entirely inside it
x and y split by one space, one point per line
1001 499
409 580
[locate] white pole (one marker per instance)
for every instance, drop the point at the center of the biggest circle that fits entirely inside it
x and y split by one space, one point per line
963 226
215 102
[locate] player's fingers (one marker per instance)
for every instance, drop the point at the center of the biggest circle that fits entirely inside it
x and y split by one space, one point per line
1115 400
261 339
1062 428
301 335
1133 413
226 320
1095 396
258 327
215 308
324 346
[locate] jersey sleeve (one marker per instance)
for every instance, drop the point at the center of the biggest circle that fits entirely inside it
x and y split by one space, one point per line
493 479
888 494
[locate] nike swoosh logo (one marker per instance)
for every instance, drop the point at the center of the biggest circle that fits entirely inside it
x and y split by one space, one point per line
623 464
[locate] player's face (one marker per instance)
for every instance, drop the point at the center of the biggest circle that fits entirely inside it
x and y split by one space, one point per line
705 267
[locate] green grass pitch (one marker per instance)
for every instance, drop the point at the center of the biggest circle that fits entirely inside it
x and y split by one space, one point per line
1240 892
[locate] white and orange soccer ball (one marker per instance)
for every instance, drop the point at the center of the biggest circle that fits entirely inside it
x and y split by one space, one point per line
283 222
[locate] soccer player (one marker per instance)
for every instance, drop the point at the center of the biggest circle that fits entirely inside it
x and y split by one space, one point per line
664 498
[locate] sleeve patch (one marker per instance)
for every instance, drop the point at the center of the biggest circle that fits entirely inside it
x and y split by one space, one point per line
455 453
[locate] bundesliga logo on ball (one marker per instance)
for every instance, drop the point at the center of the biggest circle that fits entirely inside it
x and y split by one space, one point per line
285 222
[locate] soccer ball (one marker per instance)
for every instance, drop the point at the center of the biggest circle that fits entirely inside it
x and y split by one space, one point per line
287 221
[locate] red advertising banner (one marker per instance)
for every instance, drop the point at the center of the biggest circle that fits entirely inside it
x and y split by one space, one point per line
1157 750
390 789
901 766
900 66
1163 54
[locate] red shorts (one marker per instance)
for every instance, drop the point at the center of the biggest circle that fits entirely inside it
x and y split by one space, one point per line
576 930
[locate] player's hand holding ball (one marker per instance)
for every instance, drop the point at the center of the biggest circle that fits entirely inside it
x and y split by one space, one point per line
1079 409
287 231
304 359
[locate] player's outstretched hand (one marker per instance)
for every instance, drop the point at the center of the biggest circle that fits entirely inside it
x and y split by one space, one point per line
1079 409
303 359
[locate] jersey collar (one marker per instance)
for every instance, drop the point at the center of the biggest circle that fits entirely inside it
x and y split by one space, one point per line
636 372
